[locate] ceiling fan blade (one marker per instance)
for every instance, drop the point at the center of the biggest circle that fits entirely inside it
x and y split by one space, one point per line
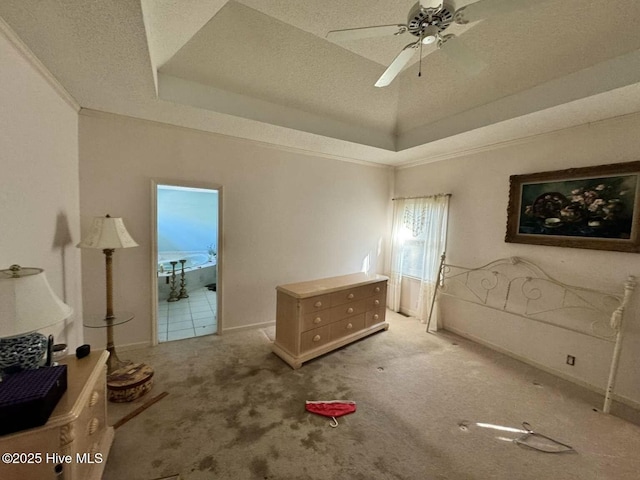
464 57
487 8
365 32
431 4
397 65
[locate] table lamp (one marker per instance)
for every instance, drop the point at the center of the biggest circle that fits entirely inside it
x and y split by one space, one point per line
108 234
27 304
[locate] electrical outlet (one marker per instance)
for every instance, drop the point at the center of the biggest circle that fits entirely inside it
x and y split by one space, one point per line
571 360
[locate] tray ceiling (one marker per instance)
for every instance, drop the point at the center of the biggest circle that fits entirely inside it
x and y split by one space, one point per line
263 70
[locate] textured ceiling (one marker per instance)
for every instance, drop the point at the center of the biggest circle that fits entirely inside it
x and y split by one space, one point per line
263 70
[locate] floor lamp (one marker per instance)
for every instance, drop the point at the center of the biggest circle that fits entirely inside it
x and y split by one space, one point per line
126 381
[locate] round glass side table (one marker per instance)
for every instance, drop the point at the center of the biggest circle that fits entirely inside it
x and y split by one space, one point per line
126 381
102 321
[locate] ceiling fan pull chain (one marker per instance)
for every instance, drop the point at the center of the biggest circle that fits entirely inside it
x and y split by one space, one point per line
420 64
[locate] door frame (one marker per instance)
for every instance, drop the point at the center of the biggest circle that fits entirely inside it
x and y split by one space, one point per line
154 249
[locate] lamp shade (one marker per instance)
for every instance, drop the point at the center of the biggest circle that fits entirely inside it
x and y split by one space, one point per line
27 302
108 233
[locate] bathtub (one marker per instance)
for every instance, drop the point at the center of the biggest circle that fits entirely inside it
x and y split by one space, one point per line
199 271
193 260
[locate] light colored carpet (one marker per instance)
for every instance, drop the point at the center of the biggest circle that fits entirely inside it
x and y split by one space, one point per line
236 411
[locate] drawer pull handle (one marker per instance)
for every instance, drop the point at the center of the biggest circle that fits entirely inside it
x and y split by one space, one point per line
93 426
349 326
350 296
317 320
316 338
94 399
318 304
376 302
376 316
349 310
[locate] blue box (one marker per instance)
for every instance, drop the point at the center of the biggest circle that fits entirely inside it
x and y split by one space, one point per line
27 398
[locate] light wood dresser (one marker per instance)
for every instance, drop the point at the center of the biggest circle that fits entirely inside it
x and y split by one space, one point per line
316 317
75 441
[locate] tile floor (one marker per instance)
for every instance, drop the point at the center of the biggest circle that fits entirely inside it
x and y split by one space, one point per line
188 317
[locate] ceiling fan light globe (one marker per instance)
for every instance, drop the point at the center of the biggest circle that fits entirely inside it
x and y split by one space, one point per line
430 34
431 4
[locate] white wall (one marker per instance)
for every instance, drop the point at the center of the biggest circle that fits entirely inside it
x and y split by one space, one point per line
39 199
479 183
286 216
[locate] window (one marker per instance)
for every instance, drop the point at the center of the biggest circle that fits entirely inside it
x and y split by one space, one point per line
417 243
413 255
416 225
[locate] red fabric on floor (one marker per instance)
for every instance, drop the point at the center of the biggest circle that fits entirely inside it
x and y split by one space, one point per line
331 408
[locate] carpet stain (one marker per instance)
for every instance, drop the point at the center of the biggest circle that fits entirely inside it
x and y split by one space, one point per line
150 424
260 467
247 434
208 463
314 439
357 476
275 453
358 436
191 416
156 463
382 467
253 412
235 372
195 380
170 444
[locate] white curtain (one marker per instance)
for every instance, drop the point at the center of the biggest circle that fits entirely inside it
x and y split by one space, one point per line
397 246
418 224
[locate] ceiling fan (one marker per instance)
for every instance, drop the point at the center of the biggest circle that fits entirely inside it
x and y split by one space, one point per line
428 20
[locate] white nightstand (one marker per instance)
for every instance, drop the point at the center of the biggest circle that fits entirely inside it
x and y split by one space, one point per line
76 438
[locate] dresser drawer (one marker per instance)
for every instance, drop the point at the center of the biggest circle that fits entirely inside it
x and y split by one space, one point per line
347 326
374 302
374 317
314 338
91 425
379 288
315 320
351 295
357 293
315 304
349 309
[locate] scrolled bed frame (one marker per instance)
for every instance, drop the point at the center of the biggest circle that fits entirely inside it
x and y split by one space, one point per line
519 287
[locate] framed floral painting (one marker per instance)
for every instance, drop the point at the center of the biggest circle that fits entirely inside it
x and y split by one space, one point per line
591 207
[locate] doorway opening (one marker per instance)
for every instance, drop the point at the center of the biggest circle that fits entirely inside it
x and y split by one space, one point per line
186 259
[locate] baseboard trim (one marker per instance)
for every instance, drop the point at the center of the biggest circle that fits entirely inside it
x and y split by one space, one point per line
627 402
252 326
133 346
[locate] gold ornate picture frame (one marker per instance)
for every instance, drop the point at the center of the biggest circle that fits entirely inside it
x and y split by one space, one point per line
591 207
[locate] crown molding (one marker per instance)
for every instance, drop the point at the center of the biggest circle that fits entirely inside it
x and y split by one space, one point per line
35 62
